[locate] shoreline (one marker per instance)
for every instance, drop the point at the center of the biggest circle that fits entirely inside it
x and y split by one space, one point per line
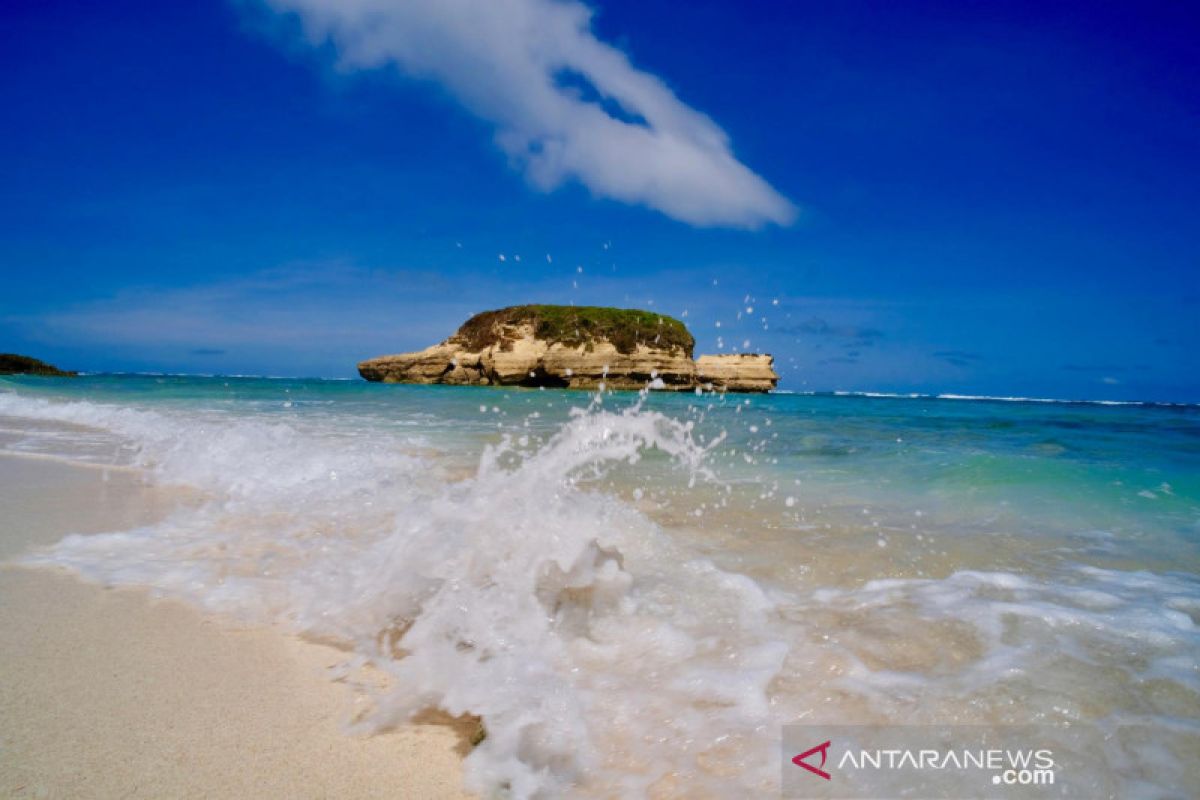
633 599
113 693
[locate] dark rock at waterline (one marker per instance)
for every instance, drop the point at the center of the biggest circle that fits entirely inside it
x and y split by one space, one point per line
13 364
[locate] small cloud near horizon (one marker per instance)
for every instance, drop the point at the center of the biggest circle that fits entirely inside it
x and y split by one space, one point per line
565 105
958 358
1101 367
334 312
817 326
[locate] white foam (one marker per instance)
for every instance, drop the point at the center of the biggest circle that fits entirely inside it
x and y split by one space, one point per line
989 398
599 653
605 655
1147 621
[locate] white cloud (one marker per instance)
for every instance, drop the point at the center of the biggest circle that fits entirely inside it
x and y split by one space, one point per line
505 61
311 318
318 318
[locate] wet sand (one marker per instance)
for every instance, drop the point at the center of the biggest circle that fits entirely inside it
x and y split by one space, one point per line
111 693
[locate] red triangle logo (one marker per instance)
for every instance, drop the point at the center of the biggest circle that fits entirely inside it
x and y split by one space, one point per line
800 762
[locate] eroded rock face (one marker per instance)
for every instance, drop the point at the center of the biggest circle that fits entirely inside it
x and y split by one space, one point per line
747 372
529 361
514 347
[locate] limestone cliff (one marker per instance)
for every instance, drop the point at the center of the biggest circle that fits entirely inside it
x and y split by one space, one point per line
576 347
746 372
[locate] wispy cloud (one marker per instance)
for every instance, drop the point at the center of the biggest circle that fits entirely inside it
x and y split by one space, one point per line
311 318
1101 367
318 318
958 358
565 105
857 335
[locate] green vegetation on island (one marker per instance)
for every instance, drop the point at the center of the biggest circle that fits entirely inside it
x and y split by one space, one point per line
575 325
13 364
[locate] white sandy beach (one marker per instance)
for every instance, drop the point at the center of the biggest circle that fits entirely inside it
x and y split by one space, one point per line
110 693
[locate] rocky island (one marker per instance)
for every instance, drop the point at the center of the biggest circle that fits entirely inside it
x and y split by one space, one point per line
574 347
13 364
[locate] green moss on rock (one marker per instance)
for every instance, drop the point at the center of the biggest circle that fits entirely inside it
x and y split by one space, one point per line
625 328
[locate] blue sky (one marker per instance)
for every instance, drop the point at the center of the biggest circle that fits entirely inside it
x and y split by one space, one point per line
993 198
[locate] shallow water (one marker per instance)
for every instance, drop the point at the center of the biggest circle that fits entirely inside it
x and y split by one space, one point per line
636 593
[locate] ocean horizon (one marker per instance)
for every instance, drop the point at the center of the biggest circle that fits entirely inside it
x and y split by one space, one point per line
866 393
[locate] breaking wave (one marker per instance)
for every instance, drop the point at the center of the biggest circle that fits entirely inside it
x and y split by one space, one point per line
605 653
598 652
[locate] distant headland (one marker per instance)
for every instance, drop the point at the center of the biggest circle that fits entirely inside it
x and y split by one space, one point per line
574 347
13 364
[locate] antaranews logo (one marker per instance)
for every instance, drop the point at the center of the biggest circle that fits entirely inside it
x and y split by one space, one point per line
820 772
926 761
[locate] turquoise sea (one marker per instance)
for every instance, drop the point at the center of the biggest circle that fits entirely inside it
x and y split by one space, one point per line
636 591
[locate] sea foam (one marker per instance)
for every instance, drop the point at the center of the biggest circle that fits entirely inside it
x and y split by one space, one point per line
600 654
606 653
